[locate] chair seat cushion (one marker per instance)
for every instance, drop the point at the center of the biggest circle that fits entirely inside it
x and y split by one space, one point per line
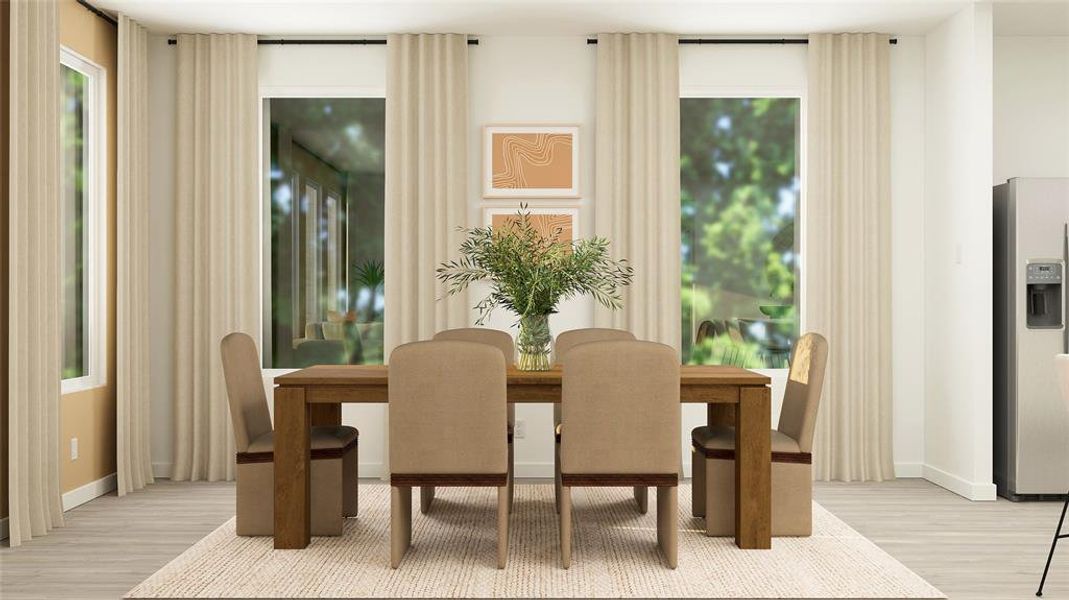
722 437
327 437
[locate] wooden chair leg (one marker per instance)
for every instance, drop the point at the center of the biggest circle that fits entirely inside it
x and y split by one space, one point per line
426 497
400 523
697 480
502 525
668 523
566 526
642 498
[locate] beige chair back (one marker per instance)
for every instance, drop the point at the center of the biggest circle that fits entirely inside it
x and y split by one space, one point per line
482 335
244 389
621 411
572 338
798 416
447 409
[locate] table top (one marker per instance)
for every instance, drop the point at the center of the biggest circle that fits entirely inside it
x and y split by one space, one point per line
378 375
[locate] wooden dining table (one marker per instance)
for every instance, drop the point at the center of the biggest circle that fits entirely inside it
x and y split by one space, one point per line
313 396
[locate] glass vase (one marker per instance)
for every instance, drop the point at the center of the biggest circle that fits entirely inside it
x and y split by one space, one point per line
533 343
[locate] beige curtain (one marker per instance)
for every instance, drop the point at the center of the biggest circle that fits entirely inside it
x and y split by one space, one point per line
133 456
637 173
217 237
848 221
34 268
426 182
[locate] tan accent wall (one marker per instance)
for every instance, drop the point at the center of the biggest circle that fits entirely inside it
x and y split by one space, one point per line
5 48
90 415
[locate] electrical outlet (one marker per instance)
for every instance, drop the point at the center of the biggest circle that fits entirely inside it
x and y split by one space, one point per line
74 448
521 430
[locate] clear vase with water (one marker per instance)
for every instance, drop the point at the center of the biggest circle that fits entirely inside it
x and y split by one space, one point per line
533 343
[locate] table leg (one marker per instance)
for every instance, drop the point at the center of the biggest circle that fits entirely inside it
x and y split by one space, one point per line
721 414
293 517
753 469
324 414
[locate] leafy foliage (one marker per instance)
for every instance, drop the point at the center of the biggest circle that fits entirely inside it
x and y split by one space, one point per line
740 189
531 273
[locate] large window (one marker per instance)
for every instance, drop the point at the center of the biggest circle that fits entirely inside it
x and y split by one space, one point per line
740 198
324 179
82 189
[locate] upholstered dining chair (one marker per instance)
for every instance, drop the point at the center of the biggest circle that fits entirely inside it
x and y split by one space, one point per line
447 428
503 342
565 342
713 490
1061 366
621 416
334 451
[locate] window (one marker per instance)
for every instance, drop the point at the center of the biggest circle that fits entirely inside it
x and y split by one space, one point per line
83 234
324 181
740 193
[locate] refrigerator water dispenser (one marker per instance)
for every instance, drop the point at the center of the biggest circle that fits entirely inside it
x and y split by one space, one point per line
1043 295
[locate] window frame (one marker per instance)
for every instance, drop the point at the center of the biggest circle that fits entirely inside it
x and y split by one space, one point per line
269 92
96 232
785 91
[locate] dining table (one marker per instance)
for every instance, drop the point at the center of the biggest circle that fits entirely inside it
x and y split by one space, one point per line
314 395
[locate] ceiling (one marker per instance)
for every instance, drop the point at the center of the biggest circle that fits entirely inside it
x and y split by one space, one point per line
535 17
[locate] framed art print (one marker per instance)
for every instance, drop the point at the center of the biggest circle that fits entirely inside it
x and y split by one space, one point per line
545 219
531 161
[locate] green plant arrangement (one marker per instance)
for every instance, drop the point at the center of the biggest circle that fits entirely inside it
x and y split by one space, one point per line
371 275
530 273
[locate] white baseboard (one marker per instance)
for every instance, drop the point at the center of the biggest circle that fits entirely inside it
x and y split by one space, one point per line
4 531
909 470
89 491
962 487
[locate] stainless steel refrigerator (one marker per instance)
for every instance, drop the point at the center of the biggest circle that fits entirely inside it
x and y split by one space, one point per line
1031 239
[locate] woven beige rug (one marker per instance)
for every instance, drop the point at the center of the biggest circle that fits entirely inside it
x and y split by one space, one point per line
614 555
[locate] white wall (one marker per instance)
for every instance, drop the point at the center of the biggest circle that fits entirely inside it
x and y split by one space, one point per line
908 252
162 83
1031 107
958 252
552 79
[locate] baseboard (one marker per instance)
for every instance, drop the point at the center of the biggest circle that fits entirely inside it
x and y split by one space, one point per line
909 470
162 470
89 491
4 531
967 489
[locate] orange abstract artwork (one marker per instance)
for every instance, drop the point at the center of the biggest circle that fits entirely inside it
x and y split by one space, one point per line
545 224
531 160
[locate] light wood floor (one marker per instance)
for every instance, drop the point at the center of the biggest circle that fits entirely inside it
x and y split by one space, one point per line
968 550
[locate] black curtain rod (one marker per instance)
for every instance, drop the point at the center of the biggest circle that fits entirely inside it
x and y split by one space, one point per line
321 42
703 41
96 11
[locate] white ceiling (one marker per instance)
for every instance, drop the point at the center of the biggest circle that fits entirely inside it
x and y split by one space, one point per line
535 17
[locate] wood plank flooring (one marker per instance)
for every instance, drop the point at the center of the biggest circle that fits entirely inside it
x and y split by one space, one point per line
968 550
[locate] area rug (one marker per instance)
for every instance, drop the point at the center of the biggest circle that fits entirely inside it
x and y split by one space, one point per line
614 555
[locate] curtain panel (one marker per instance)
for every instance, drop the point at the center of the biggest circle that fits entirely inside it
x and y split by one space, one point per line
637 178
848 221
132 394
217 226
426 184
34 272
